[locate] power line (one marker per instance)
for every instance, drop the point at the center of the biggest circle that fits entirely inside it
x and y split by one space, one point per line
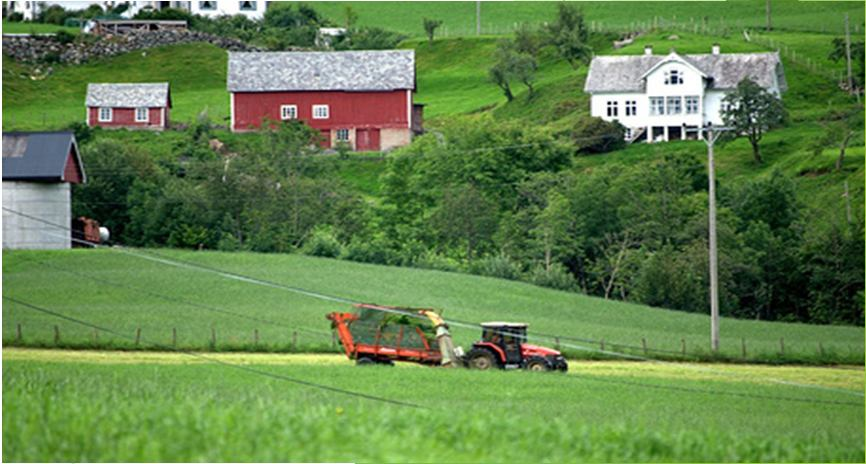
156 257
217 361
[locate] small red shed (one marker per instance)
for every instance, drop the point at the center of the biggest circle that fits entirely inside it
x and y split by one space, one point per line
131 106
361 98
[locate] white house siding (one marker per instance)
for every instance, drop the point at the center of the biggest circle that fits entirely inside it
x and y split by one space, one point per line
713 106
231 8
49 202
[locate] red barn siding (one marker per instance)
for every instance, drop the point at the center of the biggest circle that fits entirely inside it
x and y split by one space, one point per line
125 117
72 171
347 109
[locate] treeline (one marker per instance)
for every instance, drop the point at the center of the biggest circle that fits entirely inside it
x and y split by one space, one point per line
500 200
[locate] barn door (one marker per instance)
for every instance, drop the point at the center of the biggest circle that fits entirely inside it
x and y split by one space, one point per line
362 139
326 138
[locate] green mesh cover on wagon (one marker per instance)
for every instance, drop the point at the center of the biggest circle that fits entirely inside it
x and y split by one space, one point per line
375 327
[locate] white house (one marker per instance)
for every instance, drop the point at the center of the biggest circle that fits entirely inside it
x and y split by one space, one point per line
251 9
38 169
668 97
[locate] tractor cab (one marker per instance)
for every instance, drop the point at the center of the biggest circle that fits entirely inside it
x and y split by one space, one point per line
503 345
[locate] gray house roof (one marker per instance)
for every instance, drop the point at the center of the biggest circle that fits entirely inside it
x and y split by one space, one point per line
39 156
725 71
293 71
128 95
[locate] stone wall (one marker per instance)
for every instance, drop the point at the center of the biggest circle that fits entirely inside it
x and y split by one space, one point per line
41 49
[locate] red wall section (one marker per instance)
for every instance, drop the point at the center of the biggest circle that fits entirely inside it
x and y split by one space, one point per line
347 109
125 117
72 172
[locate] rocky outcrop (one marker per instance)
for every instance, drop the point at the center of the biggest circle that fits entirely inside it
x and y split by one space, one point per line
47 49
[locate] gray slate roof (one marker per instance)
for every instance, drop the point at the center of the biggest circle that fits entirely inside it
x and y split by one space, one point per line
128 95
726 70
293 71
38 156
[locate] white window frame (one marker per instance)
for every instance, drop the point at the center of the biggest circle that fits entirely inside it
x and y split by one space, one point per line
342 131
254 6
108 111
146 114
657 106
669 108
612 108
631 107
321 112
293 109
693 103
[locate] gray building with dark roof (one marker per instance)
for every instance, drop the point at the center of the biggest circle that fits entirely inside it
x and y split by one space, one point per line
668 97
38 170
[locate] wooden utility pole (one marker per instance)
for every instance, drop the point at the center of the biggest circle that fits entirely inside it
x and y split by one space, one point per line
848 58
713 135
478 17
769 23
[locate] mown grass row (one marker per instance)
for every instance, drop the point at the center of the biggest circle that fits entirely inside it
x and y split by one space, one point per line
71 411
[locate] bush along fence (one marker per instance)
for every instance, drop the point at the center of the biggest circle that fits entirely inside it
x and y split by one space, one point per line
305 341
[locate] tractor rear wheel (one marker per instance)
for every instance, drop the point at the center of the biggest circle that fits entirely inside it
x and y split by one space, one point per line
481 359
365 361
538 364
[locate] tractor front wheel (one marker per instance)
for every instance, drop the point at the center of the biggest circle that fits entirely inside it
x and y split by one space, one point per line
538 364
481 359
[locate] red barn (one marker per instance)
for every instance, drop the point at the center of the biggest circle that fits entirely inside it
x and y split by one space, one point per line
361 98
132 106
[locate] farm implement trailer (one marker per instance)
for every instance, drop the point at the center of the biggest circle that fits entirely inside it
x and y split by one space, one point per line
376 334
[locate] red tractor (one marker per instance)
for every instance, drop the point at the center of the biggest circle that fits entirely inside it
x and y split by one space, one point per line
503 345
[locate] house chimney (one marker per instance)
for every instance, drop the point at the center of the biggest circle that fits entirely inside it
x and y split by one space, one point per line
716 49
648 50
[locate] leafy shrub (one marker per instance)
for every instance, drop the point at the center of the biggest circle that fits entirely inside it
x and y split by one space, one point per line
64 37
557 277
322 242
368 38
595 135
501 266
375 251
437 262
15 17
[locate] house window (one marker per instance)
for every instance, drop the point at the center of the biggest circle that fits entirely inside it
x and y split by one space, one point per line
657 106
208 6
248 6
105 114
320 112
612 110
675 105
288 112
631 108
673 77
342 135
141 115
692 104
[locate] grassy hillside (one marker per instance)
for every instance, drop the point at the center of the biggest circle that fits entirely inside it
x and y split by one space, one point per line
117 407
501 17
67 283
12 27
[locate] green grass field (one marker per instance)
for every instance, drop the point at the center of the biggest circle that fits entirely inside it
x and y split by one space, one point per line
501 17
104 407
277 314
11 27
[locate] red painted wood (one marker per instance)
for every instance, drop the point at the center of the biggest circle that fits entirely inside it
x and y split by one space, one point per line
72 171
367 139
326 138
347 109
125 117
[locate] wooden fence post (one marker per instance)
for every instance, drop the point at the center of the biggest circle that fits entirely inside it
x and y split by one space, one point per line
213 338
683 341
18 333
643 343
56 335
295 340
602 344
174 337
743 342
821 349
782 346
556 343
137 336
256 337
95 336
